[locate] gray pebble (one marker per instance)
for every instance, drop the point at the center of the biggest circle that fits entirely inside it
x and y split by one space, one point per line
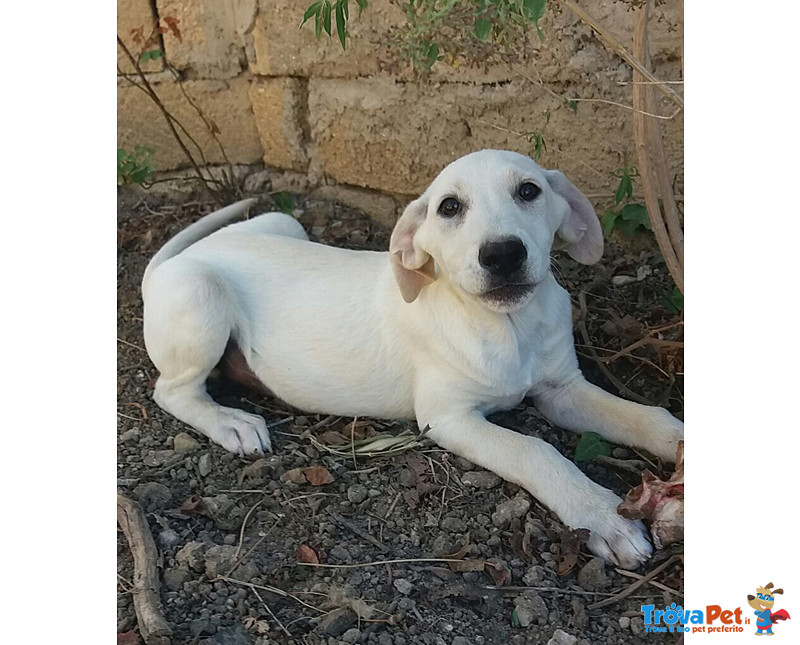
152 495
184 442
357 494
403 586
204 465
480 479
560 637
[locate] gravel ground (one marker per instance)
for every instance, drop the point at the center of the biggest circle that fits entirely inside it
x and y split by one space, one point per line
213 515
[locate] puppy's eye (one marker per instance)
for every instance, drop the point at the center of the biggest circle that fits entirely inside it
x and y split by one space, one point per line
528 191
449 207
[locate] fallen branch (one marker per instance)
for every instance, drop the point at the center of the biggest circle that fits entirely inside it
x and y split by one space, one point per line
146 599
653 166
634 586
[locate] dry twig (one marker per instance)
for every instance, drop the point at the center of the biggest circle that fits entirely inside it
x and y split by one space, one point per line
146 600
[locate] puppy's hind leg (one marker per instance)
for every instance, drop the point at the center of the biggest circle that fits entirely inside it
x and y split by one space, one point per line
188 319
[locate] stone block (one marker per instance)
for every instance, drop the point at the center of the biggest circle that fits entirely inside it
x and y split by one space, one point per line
212 35
226 103
135 15
279 106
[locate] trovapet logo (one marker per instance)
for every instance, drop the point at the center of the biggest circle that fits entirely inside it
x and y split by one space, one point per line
674 618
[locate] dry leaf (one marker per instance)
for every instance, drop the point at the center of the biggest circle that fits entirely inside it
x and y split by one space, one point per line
194 504
332 438
499 573
256 626
659 504
571 542
317 475
306 554
295 476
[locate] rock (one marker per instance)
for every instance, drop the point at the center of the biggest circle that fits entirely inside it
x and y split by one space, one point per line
340 553
592 575
204 465
454 524
220 559
624 622
192 555
295 476
403 586
174 577
511 509
168 538
200 626
530 608
184 442
357 494
258 470
637 626
441 546
152 495
155 458
351 635
336 622
460 640
560 637
622 280
236 635
535 575
480 479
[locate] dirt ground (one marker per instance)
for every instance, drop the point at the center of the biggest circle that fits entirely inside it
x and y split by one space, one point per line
230 531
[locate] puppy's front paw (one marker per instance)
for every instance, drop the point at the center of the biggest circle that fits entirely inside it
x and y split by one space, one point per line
242 433
614 538
665 434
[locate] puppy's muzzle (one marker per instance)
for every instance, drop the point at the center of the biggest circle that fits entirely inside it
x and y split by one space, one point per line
502 258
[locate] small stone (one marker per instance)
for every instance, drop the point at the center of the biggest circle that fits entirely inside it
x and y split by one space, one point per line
622 280
204 465
592 576
454 524
192 556
236 635
168 538
338 621
531 607
340 553
480 479
441 546
174 577
200 626
258 470
155 458
184 442
511 509
624 622
460 640
637 626
534 576
220 559
560 637
403 586
357 493
351 635
152 495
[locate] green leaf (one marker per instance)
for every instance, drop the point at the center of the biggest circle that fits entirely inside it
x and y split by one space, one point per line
607 220
533 9
590 447
515 619
362 4
431 54
150 55
628 227
625 188
673 301
326 17
483 28
340 28
636 213
284 202
313 10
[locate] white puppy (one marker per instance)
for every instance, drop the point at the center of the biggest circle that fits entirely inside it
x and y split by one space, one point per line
461 318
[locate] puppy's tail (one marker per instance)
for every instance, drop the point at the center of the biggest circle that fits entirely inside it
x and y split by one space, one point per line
197 231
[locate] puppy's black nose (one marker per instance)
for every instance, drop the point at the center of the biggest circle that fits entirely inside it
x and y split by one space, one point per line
503 257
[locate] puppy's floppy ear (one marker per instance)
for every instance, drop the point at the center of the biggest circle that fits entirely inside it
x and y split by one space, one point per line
413 268
580 233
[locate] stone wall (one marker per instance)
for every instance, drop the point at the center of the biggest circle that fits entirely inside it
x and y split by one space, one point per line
340 122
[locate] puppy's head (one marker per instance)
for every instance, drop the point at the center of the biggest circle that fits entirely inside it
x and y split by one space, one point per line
487 224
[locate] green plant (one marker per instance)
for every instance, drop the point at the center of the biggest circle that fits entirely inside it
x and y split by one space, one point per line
222 190
673 301
284 202
135 167
630 217
324 12
537 140
442 30
591 446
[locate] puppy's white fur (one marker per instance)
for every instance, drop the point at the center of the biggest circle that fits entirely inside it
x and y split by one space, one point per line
419 332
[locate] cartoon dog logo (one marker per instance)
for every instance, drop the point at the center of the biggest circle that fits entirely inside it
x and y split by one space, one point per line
762 602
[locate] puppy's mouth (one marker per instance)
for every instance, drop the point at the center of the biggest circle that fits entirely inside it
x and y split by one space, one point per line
509 293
